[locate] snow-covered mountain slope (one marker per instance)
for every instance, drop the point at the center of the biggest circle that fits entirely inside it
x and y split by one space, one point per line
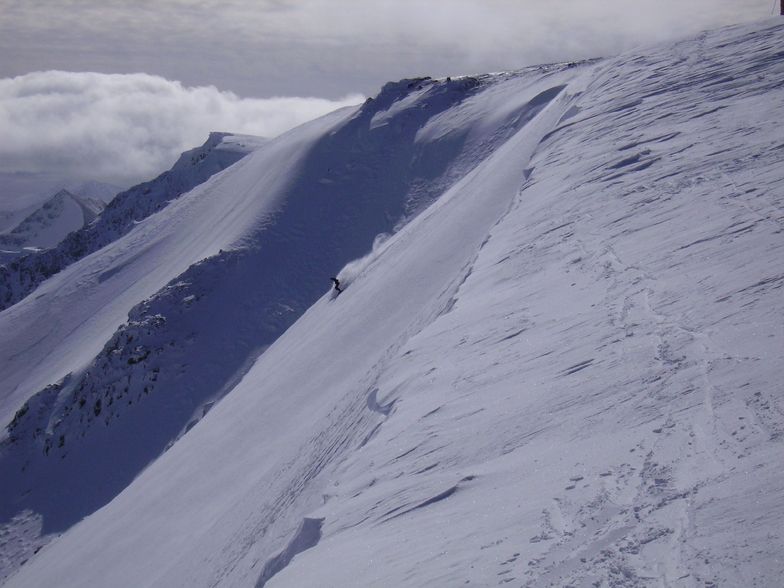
10 218
94 190
21 276
63 213
22 194
263 237
565 371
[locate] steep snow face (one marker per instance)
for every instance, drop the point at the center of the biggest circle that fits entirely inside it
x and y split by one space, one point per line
318 197
563 372
63 213
21 276
241 257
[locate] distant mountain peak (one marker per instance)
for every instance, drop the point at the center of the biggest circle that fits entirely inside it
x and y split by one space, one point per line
26 265
61 214
94 190
62 193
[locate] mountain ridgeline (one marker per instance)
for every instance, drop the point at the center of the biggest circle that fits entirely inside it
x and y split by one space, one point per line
555 360
60 215
187 345
19 277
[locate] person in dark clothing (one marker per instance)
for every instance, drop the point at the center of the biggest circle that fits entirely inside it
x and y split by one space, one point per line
337 284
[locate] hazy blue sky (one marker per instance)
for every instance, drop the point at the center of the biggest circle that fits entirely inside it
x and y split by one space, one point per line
202 65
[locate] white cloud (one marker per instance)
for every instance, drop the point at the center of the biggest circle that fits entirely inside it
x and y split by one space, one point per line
331 47
125 128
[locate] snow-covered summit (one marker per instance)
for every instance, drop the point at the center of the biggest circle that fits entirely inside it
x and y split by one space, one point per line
94 190
559 367
63 213
21 276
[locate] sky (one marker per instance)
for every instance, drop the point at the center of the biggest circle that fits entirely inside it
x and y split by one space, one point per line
173 70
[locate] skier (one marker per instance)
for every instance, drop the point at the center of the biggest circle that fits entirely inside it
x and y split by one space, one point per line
337 284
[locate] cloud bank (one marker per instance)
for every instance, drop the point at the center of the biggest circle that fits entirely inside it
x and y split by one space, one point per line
330 47
125 128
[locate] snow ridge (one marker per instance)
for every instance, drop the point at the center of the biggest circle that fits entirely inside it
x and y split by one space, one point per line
307 536
19 277
181 349
61 214
562 371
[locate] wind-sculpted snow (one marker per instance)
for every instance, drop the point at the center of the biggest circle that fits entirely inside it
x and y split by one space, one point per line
189 343
21 276
307 536
608 371
563 371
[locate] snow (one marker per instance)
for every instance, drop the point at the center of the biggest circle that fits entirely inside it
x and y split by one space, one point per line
46 227
415 88
21 194
86 302
565 370
21 276
94 190
10 218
